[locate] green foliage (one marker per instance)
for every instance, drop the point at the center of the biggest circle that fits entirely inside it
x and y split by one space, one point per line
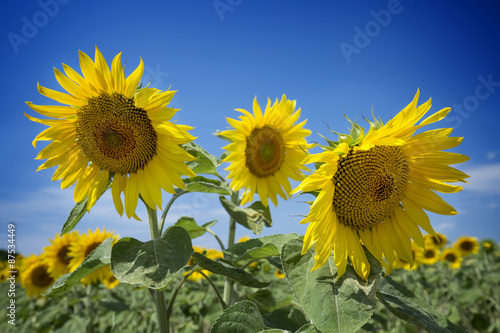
224 268
206 185
334 305
253 218
192 227
152 264
99 258
205 162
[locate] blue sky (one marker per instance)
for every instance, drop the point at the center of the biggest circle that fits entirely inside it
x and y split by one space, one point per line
332 57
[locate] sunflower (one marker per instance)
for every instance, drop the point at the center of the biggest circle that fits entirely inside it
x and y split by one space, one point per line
428 255
83 247
35 278
110 131
211 254
467 245
452 255
56 255
266 150
279 274
439 240
488 245
373 189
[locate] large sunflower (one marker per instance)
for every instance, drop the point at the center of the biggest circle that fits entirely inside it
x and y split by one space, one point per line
108 129
83 247
56 255
266 150
372 189
35 277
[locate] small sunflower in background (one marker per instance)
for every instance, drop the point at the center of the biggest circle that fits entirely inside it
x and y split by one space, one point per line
266 150
279 274
107 130
56 255
3 271
428 255
467 245
85 245
452 256
35 278
488 245
210 254
439 240
374 188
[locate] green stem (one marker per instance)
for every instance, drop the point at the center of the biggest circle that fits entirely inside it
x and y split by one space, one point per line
167 208
158 295
217 293
229 284
174 296
217 238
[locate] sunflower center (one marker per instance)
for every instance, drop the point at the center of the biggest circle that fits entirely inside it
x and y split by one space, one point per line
62 255
91 248
466 246
114 134
369 184
429 254
40 277
265 151
450 257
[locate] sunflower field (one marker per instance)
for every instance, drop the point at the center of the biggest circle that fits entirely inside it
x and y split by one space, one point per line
370 259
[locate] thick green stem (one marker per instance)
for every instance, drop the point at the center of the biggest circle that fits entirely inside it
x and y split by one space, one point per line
229 285
158 295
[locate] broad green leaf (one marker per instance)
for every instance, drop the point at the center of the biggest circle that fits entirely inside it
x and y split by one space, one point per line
205 163
243 316
309 328
405 305
247 217
77 213
265 211
206 185
152 264
333 305
263 298
261 247
288 318
192 227
98 258
234 273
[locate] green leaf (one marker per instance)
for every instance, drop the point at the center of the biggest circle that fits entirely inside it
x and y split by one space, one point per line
243 316
192 227
261 247
287 318
333 305
234 273
405 305
152 264
309 328
265 211
205 163
247 217
77 213
263 298
206 185
98 258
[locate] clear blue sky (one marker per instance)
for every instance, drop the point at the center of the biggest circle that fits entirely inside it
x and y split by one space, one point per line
332 57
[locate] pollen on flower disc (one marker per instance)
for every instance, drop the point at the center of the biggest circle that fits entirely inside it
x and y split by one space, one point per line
116 135
368 185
